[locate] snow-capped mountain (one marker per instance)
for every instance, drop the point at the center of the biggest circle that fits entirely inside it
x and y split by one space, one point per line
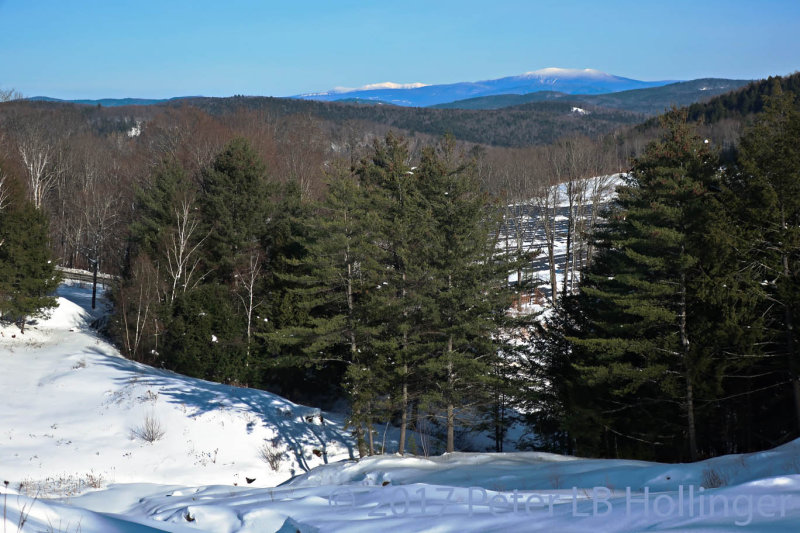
570 81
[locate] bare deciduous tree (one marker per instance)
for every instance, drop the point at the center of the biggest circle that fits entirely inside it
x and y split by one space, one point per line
37 138
182 248
101 218
518 178
38 155
547 199
246 277
7 95
5 194
303 152
137 301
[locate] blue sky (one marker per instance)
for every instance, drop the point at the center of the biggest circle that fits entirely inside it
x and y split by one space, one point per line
162 48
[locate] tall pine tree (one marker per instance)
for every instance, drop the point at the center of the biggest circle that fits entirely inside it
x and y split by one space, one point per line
638 354
470 292
329 280
403 234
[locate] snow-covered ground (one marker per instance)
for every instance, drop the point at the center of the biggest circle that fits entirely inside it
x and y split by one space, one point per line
534 237
74 406
69 450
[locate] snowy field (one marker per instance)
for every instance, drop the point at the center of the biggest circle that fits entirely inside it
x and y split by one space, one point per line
72 450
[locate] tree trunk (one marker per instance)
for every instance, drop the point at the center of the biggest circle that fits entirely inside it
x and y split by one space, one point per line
358 415
690 418
404 398
404 416
790 349
499 420
450 408
497 423
94 282
358 429
450 428
567 251
547 213
370 434
788 317
553 281
684 339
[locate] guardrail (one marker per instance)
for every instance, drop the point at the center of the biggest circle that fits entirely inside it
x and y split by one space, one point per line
86 276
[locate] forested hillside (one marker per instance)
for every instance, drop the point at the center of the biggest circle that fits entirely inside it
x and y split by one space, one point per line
743 102
327 259
539 123
680 342
650 101
736 106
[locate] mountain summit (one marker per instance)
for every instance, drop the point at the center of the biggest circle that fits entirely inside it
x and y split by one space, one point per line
567 73
564 80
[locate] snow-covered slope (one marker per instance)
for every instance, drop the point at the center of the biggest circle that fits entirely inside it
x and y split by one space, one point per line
466 492
570 81
73 406
71 403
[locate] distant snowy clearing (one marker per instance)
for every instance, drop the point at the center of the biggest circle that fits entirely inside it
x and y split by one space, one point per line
72 447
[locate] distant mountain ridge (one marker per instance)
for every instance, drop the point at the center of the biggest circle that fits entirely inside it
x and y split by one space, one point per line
649 101
531 123
586 86
110 102
567 81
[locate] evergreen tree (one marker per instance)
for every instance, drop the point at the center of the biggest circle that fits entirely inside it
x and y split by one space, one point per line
289 363
165 262
207 252
639 352
329 280
345 266
725 322
766 187
155 207
402 231
27 271
469 284
555 393
203 337
235 203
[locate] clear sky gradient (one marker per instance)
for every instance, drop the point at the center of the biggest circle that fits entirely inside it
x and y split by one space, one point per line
164 48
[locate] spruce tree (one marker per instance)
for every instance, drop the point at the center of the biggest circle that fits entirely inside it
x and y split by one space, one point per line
203 336
235 203
345 266
155 206
638 353
208 251
289 364
554 397
27 272
139 296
